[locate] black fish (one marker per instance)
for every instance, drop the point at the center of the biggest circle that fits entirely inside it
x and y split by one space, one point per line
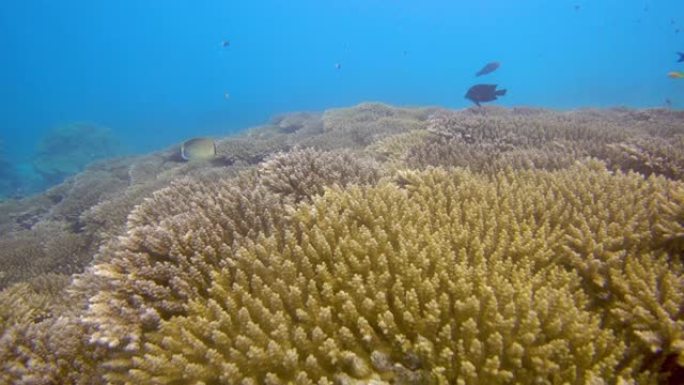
488 68
481 93
681 56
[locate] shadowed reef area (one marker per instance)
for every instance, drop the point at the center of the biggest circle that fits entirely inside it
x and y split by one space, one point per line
362 245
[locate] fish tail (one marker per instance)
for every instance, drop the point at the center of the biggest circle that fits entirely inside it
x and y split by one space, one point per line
500 92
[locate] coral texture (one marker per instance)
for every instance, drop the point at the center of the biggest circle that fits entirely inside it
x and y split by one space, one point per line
492 138
437 278
533 263
301 174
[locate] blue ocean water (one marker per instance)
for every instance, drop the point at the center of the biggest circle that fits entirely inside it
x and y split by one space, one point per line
157 73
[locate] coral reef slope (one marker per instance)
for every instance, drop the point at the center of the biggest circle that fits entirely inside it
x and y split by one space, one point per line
365 245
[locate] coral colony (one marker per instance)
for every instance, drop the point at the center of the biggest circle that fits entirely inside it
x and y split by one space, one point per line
364 245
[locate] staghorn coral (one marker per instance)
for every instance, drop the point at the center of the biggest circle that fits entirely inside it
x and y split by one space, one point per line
247 151
171 246
606 249
169 251
302 174
43 341
49 247
369 122
466 228
444 278
32 300
493 138
650 155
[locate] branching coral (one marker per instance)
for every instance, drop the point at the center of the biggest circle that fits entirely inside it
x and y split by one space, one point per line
42 341
366 285
49 246
451 278
302 174
500 274
173 244
369 122
491 139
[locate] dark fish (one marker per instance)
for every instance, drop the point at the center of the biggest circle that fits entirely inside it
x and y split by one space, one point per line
577 7
481 93
225 43
681 57
488 68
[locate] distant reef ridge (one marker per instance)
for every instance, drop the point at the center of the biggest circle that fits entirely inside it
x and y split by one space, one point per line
364 245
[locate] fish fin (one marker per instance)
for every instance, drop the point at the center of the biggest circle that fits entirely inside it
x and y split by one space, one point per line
500 92
478 104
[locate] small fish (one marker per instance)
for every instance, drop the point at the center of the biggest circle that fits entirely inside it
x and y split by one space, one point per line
481 93
198 149
338 66
668 103
488 68
675 74
681 57
577 7
225 43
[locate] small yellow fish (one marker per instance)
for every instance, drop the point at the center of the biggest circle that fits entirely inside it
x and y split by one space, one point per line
675 75
198 149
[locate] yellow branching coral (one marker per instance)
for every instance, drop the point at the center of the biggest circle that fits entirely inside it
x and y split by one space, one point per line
368 122
649 142
49 246
41 340
443 277
302 174
175 239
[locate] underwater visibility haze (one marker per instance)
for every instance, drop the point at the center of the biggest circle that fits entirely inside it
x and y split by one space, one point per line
158 73
384 192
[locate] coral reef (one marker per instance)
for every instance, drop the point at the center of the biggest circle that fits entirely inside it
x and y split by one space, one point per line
493 138
9 180
49 246
68 149
326 248
369 122
42 340
429 280
301 174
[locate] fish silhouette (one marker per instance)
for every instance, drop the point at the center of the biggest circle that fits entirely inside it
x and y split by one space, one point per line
481 93
488 68
681 57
